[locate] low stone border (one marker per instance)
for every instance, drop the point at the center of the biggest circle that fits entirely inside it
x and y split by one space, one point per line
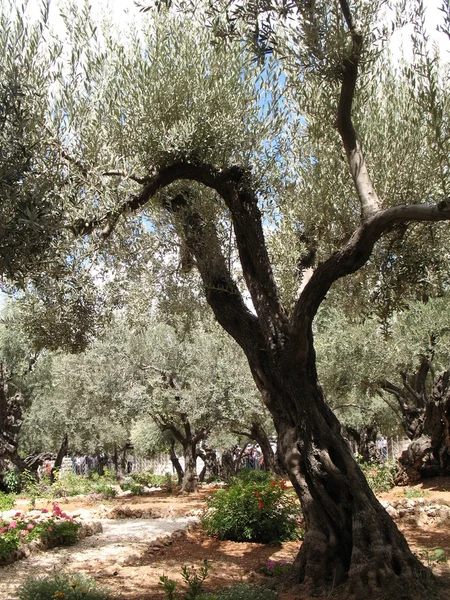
161 542
419 511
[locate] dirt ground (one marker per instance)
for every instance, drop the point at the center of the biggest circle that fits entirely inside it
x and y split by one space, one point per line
137 577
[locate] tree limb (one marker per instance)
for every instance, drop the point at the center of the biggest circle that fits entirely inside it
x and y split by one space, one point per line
368 198
353 255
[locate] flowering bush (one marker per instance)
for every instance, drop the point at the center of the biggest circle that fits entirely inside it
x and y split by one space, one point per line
61 587
275 569
54 529
253 511
242 591
380 477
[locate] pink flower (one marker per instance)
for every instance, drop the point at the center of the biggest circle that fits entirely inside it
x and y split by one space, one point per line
44 510
18 514
50 529
13 525
3 530
30 526
25 532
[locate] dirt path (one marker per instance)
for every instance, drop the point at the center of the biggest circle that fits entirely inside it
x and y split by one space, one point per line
122 542
123 560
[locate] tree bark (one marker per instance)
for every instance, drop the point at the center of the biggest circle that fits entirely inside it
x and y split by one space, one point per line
211 465
351 542
176 463
190 479
366 443
59 457
429 454
271 463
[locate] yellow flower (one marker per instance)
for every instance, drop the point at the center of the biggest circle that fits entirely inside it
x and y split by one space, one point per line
59 595
74 584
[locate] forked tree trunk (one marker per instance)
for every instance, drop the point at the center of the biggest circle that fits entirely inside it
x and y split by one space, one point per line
351 542
190 479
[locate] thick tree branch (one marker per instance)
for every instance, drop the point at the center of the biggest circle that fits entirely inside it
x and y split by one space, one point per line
386 401
395 391
353 255
370 203
409 388
234 187
221 291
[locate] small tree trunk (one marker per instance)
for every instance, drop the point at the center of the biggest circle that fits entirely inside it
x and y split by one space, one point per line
59 458
116 459
365 439
190 479
211 464
228 466
176 463
259 434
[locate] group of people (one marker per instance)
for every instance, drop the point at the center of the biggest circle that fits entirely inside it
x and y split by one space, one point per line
83 465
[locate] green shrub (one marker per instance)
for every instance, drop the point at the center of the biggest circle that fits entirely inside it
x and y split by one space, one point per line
9 541
252 475
105 490
148 478
70 485
134 488
61 533
250 511
12 481
192 578
33 487
380 477
243 591
6 501
61 587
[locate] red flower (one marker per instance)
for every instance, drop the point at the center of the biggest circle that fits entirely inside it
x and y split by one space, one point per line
261 505
273 484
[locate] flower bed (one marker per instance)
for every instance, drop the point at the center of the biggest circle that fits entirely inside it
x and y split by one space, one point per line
22 533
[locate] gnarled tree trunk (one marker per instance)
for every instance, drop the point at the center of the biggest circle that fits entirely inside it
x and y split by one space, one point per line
190 479
429 454
351 542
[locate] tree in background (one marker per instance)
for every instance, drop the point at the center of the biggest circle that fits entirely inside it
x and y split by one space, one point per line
17 381
179 127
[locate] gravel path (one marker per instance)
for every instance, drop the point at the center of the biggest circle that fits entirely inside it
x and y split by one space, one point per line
121 542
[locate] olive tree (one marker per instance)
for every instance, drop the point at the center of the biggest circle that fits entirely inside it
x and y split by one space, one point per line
177 127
